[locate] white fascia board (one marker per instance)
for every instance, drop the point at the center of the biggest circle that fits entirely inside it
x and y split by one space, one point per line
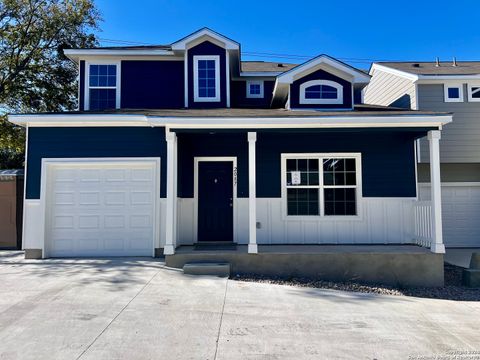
289 76
76 54
79 119
422 79
91 120
389 70
182 44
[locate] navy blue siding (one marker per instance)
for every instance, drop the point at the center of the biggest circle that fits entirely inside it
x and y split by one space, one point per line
238 97
321 75
81 99
207 48
388 162
152 84
92 142
218 144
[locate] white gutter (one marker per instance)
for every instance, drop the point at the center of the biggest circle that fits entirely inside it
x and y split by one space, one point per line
91 120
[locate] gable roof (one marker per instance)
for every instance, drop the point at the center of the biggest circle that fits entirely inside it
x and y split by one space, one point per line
182 43
358 75
431 68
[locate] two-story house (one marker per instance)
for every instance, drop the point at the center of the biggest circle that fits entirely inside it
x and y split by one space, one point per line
448 87
185 144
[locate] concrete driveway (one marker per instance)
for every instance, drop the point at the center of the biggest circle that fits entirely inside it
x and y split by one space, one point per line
137 309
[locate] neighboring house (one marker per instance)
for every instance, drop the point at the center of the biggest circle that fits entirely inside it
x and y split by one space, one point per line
446 87
185 143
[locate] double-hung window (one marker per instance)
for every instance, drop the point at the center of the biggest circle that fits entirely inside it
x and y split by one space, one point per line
102 86
206 82
321 184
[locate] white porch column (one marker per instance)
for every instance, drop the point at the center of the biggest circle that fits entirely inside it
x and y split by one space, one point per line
252 196
171 208
437 245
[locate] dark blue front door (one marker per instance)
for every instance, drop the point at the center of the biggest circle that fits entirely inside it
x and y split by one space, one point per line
215 201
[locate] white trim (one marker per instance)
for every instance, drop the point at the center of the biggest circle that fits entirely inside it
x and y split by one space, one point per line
470 92
389 70
25 174
437 245
337 86
74 120
196 96
47 162
321 186
198 159
227 77
357 76
117 88
185 82
252 194
447 86
171 206
76 53
182 44
254 82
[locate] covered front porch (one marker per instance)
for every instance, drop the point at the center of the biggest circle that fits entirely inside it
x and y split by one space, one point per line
385 210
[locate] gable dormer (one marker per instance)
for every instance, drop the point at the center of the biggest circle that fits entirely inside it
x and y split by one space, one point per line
210 60
322 83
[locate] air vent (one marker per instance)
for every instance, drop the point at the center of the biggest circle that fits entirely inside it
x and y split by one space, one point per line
280 65
416 65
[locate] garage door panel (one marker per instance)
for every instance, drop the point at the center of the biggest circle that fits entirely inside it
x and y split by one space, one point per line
460 213
101 209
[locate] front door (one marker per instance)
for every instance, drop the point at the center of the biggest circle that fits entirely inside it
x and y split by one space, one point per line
215 201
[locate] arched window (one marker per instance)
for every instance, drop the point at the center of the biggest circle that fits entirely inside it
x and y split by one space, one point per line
321 92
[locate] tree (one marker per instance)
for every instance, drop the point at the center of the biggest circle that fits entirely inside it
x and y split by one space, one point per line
35 76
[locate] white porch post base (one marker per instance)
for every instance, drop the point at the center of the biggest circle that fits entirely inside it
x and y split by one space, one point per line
252 248
169 250
437 248
252 196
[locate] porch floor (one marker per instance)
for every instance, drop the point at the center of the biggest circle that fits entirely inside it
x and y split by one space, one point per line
399 265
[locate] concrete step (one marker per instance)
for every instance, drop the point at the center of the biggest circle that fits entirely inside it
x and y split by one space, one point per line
207 268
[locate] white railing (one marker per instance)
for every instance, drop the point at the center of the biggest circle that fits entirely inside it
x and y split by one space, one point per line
423 233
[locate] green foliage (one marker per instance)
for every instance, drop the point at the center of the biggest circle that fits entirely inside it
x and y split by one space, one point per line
35 76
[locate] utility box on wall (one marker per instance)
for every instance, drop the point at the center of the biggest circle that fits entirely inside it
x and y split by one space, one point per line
11 209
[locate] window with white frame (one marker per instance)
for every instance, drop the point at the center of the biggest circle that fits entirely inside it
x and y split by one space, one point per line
321 185
321 92
206 82
102 86
453 92
474 92
255 89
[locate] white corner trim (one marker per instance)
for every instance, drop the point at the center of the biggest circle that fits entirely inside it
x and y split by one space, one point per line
118 64
305 85
197 160
249 95
196 96
453 85
470 92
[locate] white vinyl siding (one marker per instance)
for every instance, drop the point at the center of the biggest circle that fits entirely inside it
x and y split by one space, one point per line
390 90
460 141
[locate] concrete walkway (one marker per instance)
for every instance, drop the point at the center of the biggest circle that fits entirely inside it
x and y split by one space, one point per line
137 309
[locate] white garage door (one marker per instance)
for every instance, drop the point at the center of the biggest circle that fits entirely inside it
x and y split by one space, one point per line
461 214
100 208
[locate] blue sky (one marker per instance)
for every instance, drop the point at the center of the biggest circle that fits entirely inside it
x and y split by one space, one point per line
355 31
